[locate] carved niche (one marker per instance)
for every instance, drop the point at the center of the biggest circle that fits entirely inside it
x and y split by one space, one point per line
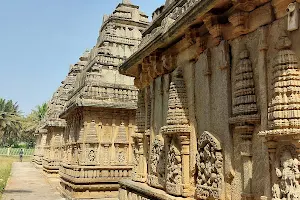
121 146
287 168
176 134
174 168
89 145
210 178
157 163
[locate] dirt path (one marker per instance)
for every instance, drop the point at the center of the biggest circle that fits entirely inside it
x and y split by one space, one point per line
28 183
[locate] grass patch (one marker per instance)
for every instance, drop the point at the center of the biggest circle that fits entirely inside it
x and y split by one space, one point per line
5 168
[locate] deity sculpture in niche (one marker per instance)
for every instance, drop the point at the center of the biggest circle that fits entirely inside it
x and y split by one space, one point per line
287 168
210 177
157 163
174 165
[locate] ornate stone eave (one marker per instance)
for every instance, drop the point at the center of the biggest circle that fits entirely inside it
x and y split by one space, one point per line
200 8
77 99
157 21
233 18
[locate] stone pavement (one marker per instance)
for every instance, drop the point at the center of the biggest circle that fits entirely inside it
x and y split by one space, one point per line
28 183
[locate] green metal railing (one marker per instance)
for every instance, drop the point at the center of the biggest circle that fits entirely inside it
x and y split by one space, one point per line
15 152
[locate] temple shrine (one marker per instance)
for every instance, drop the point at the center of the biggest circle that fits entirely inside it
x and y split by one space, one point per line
200 104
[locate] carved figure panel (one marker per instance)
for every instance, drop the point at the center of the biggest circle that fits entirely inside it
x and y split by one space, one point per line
157 163
174 169
287 168
210 176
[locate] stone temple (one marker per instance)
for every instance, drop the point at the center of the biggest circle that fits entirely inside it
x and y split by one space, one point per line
213 114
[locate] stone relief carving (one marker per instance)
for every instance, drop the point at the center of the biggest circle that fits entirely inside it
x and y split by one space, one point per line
157 163
174 173
91 155
210 176
287 168
283 109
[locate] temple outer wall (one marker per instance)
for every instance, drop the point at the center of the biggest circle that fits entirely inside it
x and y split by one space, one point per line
209 81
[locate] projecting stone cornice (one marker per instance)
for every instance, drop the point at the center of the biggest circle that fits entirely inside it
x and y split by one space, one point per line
199 23
163 38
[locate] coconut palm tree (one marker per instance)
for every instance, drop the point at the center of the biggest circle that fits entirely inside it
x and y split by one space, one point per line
31 122
9 119
40 111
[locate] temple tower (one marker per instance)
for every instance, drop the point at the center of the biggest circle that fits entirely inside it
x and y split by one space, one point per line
54 126
100 111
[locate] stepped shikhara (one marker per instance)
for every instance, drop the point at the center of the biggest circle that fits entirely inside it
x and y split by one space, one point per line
49 141
218 104
100 111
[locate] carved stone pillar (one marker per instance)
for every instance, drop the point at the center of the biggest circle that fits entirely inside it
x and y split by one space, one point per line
140 166
185 154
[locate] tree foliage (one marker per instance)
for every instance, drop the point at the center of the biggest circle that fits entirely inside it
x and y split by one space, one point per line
10 117
14 127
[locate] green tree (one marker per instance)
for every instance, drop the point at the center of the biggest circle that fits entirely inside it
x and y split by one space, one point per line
10 116
31 122
40 111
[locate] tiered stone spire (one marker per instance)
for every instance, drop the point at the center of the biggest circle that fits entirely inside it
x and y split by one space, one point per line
284 109
121 136
178 114
244 101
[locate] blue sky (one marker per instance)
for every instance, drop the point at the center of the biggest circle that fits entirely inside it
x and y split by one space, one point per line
39 39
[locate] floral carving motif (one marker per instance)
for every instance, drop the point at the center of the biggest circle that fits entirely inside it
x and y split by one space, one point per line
210 168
